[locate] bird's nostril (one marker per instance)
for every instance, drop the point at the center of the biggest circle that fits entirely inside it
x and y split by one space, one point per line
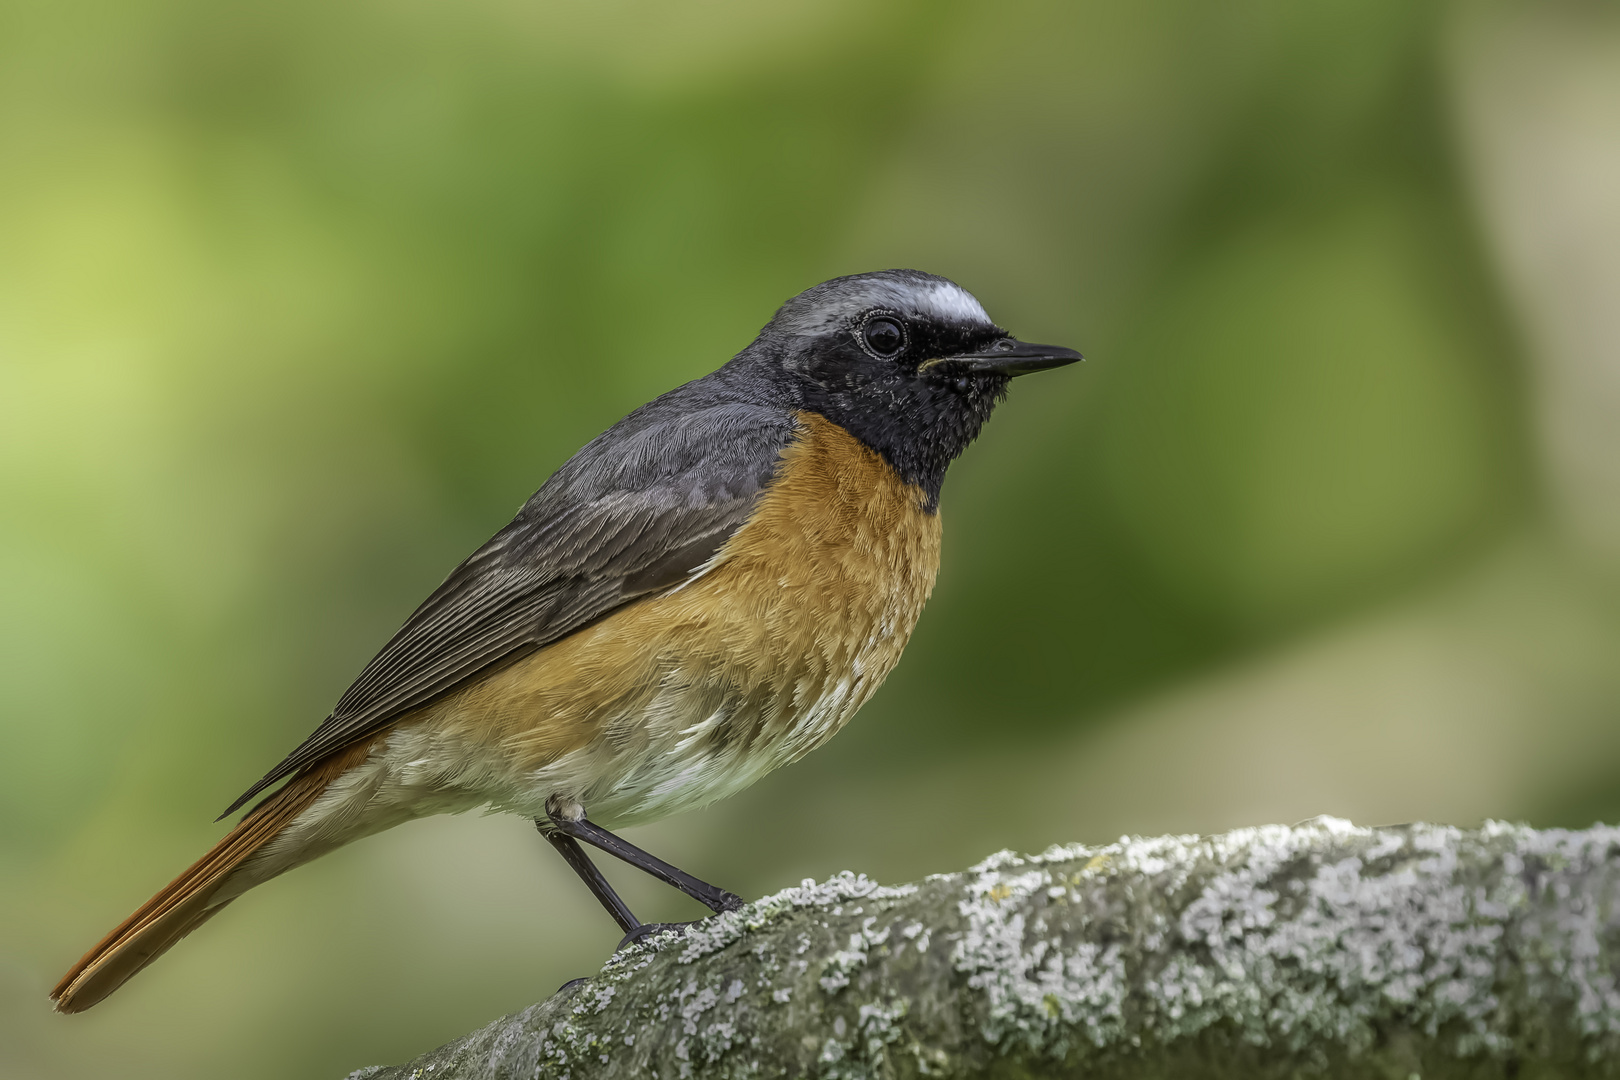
1005 345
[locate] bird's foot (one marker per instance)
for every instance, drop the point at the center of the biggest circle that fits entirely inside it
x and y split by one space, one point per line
571 984
647 930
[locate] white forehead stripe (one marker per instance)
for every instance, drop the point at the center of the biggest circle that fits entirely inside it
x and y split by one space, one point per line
947 300
833 303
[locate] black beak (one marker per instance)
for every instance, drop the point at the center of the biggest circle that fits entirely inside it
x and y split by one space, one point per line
1009 356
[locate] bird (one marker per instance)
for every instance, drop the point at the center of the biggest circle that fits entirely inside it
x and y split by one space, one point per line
705 592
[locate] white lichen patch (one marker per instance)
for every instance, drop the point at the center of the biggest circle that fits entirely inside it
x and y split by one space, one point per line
1293 937
722 930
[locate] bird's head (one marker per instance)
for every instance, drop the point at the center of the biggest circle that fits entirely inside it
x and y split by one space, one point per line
907 362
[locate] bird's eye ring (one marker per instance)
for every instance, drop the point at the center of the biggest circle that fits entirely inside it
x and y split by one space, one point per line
883 336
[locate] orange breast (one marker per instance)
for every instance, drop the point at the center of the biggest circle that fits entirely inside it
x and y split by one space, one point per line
687 696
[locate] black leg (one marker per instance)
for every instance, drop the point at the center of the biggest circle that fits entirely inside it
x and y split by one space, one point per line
713 898
570 850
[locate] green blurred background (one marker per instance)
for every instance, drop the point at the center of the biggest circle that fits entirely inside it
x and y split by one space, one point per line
299 301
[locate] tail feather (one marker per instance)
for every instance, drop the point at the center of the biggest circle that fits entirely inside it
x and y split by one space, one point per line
183 905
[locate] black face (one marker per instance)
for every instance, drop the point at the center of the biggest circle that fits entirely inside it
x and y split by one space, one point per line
915 390
905 361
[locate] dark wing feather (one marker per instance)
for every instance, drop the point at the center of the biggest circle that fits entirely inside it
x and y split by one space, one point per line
633 513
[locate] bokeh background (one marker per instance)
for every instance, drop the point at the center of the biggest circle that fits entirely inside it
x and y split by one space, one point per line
299 301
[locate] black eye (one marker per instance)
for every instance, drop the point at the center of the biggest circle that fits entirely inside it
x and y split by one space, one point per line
884 336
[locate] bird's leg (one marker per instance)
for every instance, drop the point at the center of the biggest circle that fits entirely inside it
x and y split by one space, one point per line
575 856
715 899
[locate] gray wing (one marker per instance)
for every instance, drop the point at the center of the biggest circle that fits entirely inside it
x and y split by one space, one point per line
634 512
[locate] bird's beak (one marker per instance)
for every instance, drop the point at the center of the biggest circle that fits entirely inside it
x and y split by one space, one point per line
1009 356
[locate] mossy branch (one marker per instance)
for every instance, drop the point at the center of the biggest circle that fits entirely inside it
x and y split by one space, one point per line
1322 949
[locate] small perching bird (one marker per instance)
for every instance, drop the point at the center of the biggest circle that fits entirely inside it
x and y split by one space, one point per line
708 590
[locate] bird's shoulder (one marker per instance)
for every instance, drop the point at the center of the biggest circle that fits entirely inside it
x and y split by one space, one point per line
635 511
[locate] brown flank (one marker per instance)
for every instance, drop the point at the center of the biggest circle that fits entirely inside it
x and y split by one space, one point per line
839 552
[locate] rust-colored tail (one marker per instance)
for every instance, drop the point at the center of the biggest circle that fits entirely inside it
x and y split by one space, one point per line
183 904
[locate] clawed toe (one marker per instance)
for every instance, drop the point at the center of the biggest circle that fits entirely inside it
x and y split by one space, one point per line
647 930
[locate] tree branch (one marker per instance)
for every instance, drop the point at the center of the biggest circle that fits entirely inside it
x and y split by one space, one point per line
1322 949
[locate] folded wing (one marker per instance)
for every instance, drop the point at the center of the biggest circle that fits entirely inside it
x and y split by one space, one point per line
635 512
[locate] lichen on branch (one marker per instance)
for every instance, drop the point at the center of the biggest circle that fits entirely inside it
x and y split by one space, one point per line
1321 949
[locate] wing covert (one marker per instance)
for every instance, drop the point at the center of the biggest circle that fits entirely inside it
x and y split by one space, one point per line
633 513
